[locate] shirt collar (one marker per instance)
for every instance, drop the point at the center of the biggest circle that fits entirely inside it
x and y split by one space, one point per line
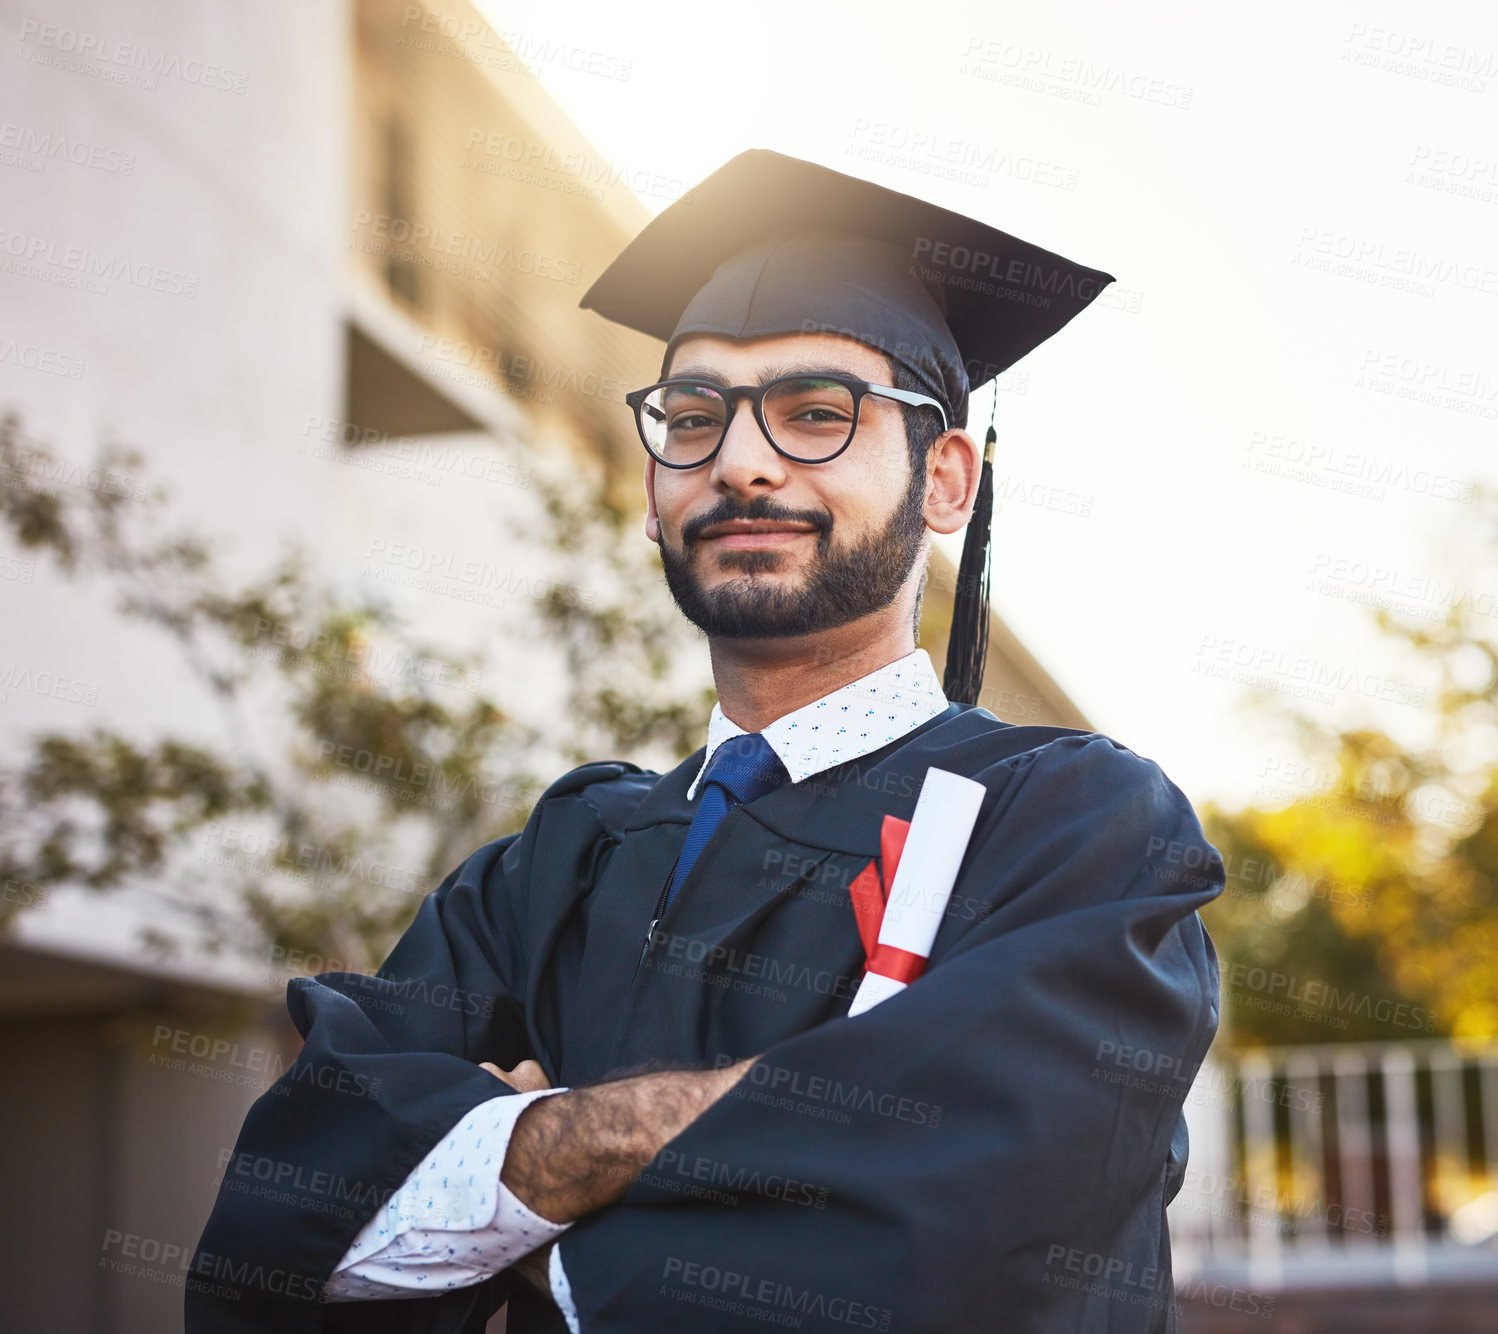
853 721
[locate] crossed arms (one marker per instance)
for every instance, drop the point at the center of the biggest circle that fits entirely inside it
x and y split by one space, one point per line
580 1150
1091 934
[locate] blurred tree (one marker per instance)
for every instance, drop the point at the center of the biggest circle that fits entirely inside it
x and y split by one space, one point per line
387 764
1376 885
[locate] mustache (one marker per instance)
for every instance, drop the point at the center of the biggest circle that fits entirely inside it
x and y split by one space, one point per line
759 508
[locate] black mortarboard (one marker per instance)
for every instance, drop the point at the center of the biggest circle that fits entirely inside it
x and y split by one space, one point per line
769 244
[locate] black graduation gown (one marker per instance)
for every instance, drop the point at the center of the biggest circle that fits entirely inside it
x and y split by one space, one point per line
991 1149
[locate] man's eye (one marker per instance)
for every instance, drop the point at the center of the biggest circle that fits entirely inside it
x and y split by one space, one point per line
693 421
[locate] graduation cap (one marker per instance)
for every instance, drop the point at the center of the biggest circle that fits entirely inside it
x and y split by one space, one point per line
769 244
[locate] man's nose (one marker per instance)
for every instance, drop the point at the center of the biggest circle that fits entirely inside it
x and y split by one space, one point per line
746 456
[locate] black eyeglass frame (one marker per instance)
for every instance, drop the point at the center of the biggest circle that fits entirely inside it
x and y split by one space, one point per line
756 396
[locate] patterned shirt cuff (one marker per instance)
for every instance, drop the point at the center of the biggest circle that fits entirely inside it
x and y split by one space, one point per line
453 1223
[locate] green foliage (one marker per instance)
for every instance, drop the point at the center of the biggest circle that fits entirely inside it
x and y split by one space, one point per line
1376 885
357 765
613 712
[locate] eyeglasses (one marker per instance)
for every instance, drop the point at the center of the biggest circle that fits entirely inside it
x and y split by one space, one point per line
807 418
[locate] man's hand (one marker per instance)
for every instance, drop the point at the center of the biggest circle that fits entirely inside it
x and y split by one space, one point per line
535 1267
578 1151
526 1077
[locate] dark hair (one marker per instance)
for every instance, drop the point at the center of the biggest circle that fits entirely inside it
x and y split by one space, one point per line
922 425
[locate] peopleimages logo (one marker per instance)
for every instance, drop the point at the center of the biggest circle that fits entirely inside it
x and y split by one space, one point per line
755 1296
47 43
43 257
1248 982
450 250
1018 273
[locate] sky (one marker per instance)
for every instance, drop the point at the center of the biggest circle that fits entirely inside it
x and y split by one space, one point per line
1271 423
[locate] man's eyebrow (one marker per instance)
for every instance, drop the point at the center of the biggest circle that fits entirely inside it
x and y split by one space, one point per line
765 376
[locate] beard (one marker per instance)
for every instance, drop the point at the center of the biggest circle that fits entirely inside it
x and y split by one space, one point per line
844 583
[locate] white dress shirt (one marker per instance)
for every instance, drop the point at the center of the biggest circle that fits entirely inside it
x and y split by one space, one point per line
454 1223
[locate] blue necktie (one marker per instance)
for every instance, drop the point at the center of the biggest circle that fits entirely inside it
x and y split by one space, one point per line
741 769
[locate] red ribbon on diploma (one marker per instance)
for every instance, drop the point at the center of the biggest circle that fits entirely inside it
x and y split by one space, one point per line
869 896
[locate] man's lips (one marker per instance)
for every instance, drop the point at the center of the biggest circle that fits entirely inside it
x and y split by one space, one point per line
755 533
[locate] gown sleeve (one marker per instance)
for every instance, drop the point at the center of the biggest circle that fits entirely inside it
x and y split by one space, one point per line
980 1151
387 1069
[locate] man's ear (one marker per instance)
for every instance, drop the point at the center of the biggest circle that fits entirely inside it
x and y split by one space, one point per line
652 519
955 467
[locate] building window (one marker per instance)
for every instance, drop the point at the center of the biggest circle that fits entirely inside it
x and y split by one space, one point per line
402 276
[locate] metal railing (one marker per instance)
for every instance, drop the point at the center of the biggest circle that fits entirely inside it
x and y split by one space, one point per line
1340 1156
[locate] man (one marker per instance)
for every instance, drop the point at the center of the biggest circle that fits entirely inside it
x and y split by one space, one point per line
618 1084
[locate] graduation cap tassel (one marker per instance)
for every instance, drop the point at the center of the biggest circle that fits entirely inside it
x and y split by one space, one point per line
967 644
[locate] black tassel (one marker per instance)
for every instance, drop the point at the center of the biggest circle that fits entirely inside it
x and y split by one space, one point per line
967 644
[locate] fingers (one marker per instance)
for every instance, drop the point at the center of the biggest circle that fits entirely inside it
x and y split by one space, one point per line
533 1267
526 1077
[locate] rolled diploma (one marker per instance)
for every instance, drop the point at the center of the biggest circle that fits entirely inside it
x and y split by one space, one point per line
940 829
